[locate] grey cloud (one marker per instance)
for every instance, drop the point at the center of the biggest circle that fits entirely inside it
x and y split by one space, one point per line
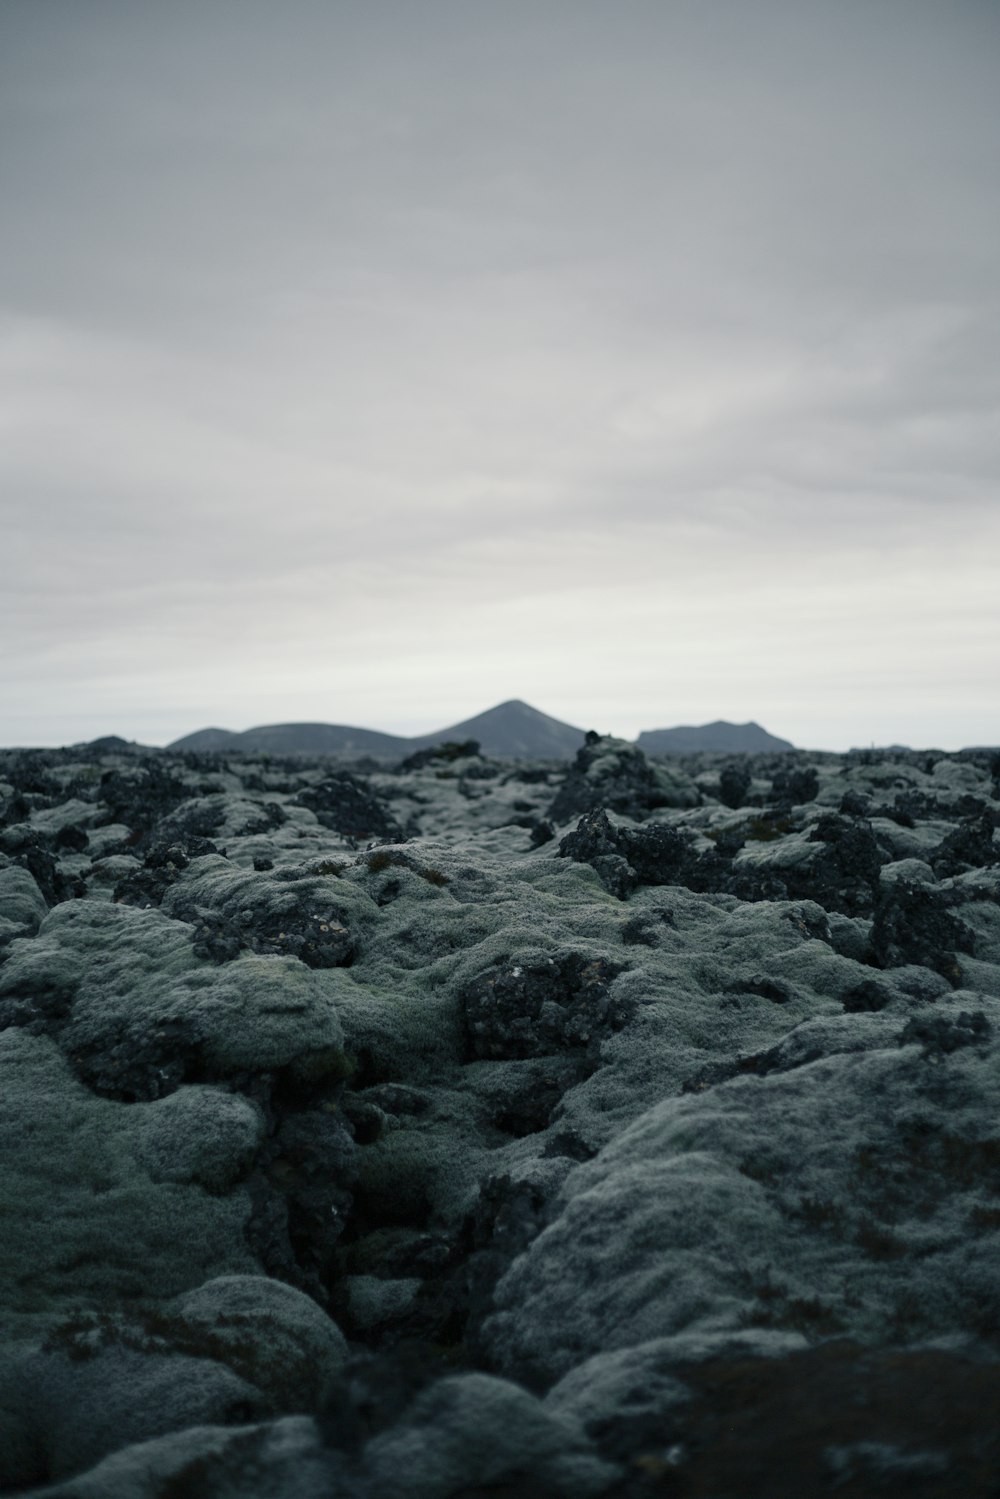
566 322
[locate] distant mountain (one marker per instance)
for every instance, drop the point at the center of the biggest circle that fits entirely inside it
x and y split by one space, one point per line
721 737
514 731
203 741
510 731
112 744
299 739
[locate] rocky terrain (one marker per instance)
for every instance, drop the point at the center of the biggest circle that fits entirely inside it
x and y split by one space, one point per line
461 1127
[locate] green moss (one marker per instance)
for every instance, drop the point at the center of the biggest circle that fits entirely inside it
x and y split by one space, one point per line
378 860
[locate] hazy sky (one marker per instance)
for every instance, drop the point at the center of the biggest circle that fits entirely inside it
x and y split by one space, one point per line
373 362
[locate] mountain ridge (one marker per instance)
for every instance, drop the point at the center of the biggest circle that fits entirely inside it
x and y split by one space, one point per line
720 736
512 730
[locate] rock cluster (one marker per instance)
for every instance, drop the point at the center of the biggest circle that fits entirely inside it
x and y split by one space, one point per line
462 1128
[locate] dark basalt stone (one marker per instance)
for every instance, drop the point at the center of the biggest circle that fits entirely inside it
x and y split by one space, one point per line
870 995
140 796
71 839
837 1418
843 876
540 1005
301 1185
318 939
508 1216
542 832
315 1166
629 787
914 925
734 783
444 754
26 847
971 845
29 772
164 863
138 1067
40 1013
346 804
794 786
855 804
846 876
653 855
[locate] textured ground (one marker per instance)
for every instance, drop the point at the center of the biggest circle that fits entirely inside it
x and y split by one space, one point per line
466 1128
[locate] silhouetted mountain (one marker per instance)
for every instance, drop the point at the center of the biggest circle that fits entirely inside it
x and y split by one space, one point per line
725 738
514 731
300 739
113 744
510 731
206 741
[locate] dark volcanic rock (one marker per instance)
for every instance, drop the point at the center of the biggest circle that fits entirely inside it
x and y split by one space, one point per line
596 842
538 1005
837 1419
971 845
795 785
141 795
165 861
26 847
317 938
914 925
443 754
133 1068
706 1176
846 877
347 804
612 774
734 783
843 875
653 855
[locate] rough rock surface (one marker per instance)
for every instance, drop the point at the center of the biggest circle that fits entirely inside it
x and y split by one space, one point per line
462 1127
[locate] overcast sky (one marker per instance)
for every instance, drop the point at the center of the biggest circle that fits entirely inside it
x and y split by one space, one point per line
373 362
